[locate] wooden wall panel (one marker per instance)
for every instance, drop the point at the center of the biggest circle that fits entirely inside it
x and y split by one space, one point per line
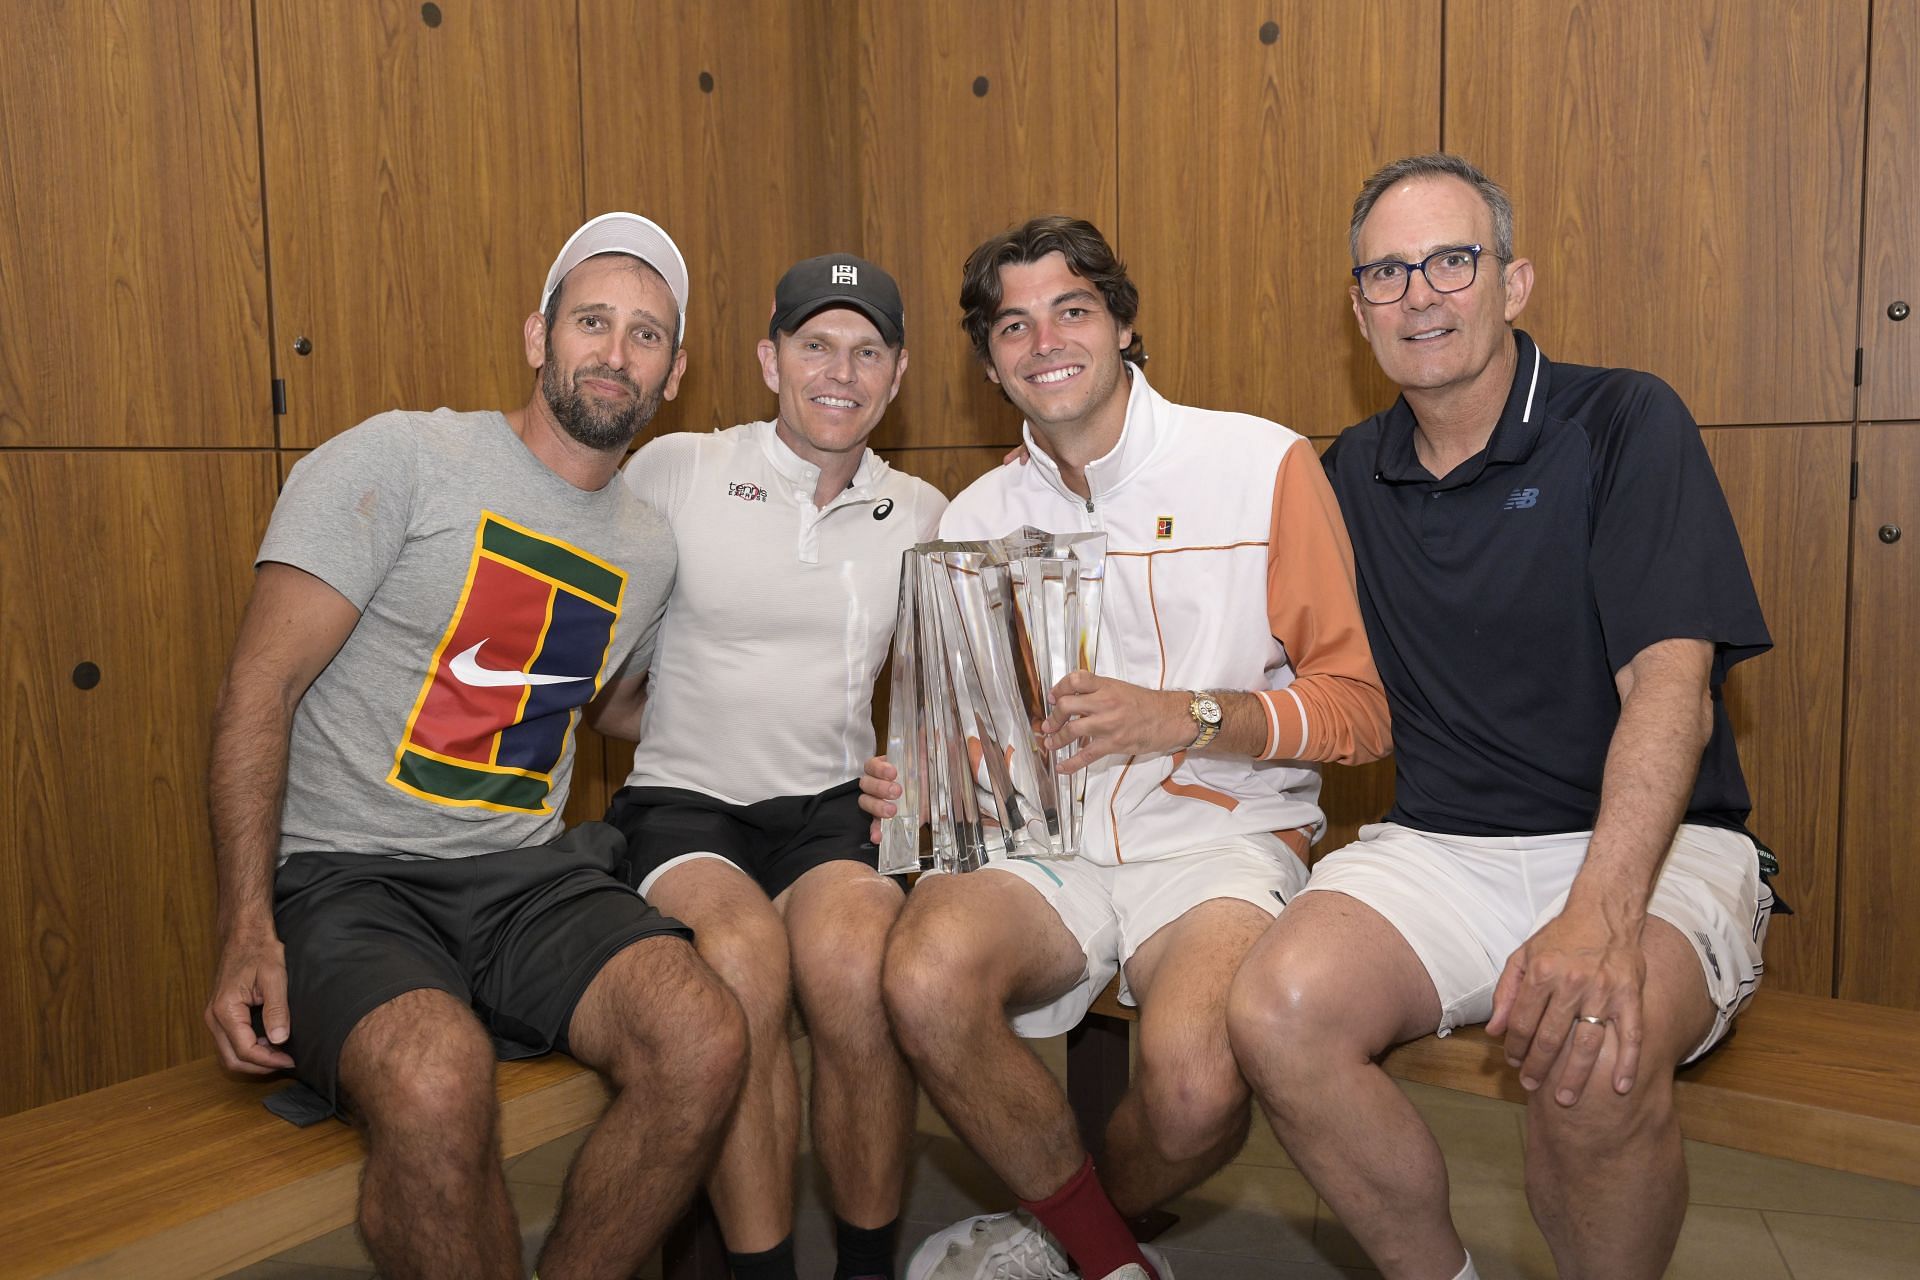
1239 163
1787 487
105 852
1890 385
1686 179
973 117
739 145
1879 953
948 470
420 180
130 239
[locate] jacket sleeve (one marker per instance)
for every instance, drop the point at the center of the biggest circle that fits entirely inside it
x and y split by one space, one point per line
1335 709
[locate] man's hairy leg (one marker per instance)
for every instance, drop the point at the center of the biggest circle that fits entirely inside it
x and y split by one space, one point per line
838 917
1187 1111
418 1071
1607 1176
965 947
742 938
1328 987
671 1042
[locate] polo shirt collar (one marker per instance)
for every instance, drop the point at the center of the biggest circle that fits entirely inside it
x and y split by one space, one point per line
1140 435
803 474
1513 438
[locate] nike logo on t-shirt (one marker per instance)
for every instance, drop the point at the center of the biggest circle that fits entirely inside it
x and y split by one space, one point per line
467 670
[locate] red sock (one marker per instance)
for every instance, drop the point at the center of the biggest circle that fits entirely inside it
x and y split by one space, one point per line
1087 1225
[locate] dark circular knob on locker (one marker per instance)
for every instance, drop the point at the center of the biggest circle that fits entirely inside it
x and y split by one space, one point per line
303 345
1899 311
1889 533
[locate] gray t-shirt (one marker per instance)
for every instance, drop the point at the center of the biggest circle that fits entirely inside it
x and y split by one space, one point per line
495 598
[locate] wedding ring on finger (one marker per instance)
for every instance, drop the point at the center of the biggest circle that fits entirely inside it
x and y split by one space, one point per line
1587 1017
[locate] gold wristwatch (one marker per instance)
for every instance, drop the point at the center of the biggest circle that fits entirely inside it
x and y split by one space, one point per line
1205 710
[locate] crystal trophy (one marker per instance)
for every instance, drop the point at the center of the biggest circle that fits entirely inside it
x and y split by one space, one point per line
985 631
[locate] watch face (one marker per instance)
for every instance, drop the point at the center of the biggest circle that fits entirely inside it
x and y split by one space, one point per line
1209 710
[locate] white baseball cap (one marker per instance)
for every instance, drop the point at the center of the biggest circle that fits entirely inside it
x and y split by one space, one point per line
627 233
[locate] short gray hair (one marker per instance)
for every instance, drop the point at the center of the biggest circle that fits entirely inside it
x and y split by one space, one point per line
1435 164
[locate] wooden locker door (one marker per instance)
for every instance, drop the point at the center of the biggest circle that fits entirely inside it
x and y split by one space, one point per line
1787 487
741 147
423 169
974 115
125 581
131 269
1686 179
1890 346
1879 952
1244 141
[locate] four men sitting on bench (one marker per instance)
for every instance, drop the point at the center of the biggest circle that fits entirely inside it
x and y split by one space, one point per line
1538 553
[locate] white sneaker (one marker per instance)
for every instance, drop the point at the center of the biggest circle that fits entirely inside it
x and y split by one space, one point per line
993 1246
1009 1246
1134 1271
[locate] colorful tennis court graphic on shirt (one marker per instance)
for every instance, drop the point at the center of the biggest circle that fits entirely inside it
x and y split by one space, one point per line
521 656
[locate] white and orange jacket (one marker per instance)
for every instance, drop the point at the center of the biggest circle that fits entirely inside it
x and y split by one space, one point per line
1228 567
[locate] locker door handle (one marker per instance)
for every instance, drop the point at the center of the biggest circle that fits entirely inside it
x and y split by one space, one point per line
1889 533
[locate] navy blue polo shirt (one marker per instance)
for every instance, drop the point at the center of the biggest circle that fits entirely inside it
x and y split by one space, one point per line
1501 599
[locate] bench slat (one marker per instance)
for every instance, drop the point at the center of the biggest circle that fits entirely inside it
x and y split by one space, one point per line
184 1173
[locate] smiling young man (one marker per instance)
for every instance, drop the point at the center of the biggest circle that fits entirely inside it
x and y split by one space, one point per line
1555 591
742 813
1231 651
438 597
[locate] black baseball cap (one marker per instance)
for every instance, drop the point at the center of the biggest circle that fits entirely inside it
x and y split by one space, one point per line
838 280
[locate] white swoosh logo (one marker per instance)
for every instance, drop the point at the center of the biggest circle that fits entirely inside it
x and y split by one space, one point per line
467 670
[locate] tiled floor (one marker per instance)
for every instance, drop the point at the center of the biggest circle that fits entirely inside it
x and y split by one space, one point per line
1752 1217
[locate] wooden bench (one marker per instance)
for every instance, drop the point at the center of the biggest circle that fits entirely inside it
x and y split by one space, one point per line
1827 1082
183 1173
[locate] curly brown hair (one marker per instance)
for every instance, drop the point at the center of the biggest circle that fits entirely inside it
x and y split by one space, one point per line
1088 256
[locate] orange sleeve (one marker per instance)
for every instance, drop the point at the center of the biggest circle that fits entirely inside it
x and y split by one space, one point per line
1335 709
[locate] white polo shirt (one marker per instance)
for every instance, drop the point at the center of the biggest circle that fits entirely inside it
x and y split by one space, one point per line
780 617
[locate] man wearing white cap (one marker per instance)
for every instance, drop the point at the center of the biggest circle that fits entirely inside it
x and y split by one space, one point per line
742 811
437 598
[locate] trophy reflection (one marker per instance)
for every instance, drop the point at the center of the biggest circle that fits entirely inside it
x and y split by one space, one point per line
986 629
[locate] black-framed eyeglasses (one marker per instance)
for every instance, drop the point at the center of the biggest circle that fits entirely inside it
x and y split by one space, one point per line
1446 270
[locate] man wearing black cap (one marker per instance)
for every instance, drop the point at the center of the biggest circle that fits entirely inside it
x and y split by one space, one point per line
438 597
742 812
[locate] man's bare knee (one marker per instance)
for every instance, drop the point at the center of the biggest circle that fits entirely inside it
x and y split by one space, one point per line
1192 1106
838 982
421 1063
656 1011
750 955
1602 1122
935 983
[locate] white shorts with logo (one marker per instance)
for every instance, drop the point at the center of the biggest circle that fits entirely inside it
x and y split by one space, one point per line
1466 903
1112 910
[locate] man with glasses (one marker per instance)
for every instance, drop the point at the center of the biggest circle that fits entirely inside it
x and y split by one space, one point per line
1554 592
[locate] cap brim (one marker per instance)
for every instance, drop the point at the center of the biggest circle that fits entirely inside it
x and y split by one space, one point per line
797 316
627 233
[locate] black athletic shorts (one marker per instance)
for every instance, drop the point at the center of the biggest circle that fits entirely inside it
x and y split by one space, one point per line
518 935
774 841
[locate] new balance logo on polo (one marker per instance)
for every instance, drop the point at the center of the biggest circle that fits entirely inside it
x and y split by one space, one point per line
1520 499
845 273
520 657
